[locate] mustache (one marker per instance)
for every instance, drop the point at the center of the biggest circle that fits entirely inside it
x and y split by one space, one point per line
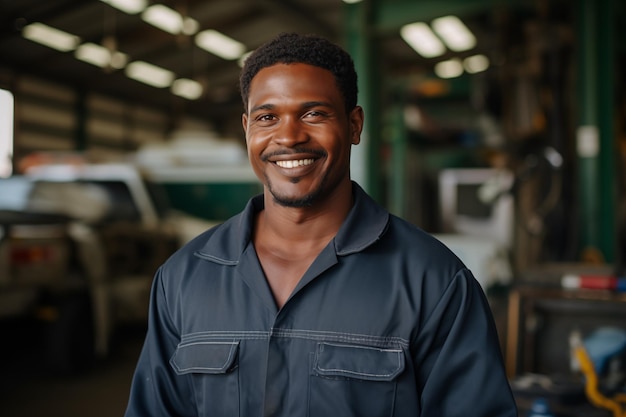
293 151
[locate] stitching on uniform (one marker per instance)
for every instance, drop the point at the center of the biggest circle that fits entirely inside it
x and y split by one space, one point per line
224 335
345 371
324 336
378 341
230 355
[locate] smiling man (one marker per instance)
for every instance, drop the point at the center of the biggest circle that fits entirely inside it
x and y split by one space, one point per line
315 301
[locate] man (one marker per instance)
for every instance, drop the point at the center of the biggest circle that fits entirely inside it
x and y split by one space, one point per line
315 301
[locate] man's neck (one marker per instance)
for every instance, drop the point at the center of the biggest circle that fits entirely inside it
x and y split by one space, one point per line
287 240
297 224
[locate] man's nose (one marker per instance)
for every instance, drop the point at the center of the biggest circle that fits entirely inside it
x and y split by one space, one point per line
290 132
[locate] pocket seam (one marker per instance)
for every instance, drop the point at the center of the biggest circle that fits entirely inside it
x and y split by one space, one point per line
338 372
205 369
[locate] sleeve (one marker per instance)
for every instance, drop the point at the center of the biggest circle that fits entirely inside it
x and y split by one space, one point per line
460 369
156 390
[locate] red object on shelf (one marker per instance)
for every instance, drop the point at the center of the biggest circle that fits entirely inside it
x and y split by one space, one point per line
594 282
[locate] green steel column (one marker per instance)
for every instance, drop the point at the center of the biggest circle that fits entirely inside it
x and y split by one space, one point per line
360 43
595 145
606 85
587 134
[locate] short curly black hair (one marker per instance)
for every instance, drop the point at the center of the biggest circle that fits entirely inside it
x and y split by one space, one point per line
292 48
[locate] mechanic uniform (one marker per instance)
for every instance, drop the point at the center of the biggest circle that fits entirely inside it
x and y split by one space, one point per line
386 322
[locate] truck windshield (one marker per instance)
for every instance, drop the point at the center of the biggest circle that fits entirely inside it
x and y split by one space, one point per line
92 201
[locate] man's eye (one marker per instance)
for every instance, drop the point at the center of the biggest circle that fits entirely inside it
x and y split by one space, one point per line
265 118
315 114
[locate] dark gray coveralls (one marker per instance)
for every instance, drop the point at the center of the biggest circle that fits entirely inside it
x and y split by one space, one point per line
386 322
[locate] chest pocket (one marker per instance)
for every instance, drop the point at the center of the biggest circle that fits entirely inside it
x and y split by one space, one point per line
213 367
349 380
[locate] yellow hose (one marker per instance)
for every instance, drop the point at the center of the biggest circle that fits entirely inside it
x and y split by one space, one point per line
591 385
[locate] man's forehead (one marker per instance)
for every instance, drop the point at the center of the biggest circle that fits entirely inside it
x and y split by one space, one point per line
297 82
289 68
292 73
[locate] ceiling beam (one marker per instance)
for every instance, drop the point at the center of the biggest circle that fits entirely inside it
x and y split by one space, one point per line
390 16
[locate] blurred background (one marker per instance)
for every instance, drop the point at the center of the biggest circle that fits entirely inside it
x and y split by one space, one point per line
498 126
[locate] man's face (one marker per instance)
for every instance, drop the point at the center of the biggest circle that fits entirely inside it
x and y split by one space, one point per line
298 134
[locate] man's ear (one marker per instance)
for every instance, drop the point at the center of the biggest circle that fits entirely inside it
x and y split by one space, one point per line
356 125
244 123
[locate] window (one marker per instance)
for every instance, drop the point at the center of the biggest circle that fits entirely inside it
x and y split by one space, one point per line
6 133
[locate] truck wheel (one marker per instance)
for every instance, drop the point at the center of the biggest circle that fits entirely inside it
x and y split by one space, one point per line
69 336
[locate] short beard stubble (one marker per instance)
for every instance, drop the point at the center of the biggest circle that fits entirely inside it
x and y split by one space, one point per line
306 201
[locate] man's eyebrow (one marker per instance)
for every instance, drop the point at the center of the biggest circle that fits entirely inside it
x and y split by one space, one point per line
305 105
267 106
311 104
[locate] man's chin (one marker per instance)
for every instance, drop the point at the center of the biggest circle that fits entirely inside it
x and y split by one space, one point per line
293 202
296 194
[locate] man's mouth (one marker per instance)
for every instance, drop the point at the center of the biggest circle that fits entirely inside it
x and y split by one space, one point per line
294 163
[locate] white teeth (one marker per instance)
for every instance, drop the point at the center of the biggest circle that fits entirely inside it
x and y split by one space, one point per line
294 163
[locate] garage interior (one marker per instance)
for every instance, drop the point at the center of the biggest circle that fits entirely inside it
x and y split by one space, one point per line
511 150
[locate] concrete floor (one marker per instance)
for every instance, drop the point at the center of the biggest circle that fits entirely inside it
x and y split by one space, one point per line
26 390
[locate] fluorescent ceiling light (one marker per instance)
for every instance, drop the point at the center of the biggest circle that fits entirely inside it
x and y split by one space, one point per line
164 18
51 37
454 33
187 88
118 60
149 74
351 1
422 40
100 56
220 44
190 26
449 69
128 6
476 63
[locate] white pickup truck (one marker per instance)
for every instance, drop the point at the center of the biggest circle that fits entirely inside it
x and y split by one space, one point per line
79 245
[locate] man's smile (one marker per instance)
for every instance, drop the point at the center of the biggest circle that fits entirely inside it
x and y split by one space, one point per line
295 163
